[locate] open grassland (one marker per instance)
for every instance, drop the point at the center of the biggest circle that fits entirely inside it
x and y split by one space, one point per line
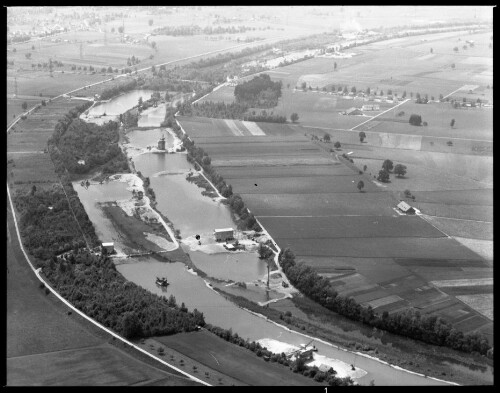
463 228
470 123
233 360
480 302
14 106
480 247
465 212
475 197
31 168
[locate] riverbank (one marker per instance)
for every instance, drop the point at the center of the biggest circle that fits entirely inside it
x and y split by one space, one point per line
414 356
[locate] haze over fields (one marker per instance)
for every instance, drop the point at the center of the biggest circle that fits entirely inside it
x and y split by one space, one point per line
346 151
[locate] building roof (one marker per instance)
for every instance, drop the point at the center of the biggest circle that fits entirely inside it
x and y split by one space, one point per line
351 110
404 206
223 230
111 244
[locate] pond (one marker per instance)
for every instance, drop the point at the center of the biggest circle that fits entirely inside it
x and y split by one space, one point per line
111 110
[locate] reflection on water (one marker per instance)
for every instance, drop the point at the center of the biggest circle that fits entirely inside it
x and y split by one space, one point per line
143 139
236 266
116 106
181 201
152 117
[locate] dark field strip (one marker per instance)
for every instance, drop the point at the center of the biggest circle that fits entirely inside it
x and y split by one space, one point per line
216 150
349 226
302 185
431 248
369 296
469 260
319 204
232 139
283 171
469 290
457 197
204 127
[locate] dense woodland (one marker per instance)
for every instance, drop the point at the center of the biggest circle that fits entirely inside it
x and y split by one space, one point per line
47 223
118 89
92 284
75 140
260 92
409 323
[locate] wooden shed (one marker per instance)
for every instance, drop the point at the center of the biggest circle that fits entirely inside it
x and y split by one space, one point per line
224 234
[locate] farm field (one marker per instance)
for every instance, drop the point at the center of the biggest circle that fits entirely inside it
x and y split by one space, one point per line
470 123
318 204
238 362
463 228
394 247
349 227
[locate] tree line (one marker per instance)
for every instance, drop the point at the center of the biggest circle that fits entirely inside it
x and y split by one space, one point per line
199 158
409 323
194 30
297 366
92 284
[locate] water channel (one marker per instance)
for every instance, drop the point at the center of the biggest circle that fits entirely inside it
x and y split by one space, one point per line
192 213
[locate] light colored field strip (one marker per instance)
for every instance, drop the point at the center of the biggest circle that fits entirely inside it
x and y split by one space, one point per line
253 128
465 282
26 152
55 293
392 133
482 303
374 117
232 126
460 219
453 92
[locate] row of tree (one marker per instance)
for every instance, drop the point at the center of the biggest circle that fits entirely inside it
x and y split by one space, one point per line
297 366
194 30
118 89
199 157
409 323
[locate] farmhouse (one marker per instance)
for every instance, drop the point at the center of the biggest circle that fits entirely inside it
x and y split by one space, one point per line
107 248
370 108
224 234
353 111
405 208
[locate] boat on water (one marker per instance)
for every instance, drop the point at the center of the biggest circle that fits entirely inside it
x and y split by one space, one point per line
162 281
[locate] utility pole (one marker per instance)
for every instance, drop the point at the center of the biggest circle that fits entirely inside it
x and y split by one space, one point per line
15 86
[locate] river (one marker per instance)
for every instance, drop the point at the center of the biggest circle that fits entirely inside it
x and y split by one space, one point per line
192 213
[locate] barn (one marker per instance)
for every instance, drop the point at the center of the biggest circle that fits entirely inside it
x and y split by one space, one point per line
108 248
405 208
224 234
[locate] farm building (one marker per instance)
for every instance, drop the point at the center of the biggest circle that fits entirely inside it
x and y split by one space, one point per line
108 248
353 111
405 208
224 234
370 108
